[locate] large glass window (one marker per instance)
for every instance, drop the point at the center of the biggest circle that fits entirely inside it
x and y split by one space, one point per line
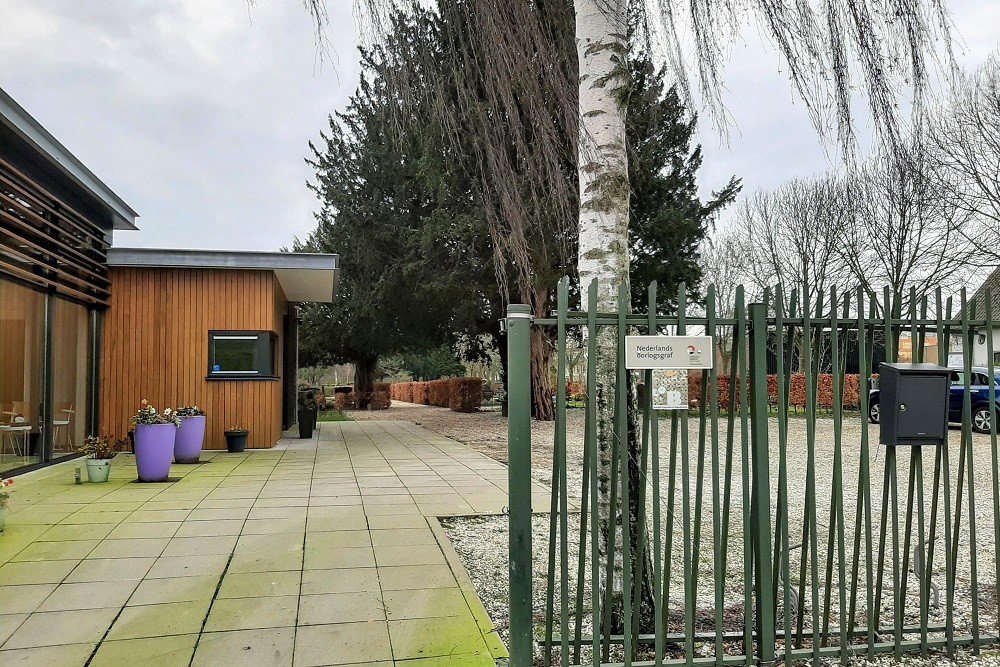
22 317
70 356
241 355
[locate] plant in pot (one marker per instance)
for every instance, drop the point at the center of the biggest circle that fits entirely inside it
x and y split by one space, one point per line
100 450
190 434
4 497
155 433
307 413
236 438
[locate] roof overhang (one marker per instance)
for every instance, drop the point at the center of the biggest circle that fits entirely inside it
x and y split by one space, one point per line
63 162
302 276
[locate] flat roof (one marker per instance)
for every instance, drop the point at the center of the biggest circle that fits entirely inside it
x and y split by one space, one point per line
303 276
31 131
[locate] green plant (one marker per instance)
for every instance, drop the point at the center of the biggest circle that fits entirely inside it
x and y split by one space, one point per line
190 411
237 428
103 446
307 401
147 415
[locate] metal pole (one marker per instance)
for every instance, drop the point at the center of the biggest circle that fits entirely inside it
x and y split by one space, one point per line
519 481
760 486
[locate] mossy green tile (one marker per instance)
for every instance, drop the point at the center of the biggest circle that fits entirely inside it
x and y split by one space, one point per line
62 627
94 531
252 613
436 637
24 599
89 595
201 546
341 608
110 569
271 646
188 566
331 558
158 620
136 547
174 589
95 517
410 577
44 572
67 550
421 554
48 656
342 644
319 582
259 584
424 603
172 651
157 529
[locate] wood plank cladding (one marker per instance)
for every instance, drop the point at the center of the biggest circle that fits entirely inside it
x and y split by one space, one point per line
156 347
47 243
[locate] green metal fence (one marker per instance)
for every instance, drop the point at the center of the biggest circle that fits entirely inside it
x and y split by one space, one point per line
770 536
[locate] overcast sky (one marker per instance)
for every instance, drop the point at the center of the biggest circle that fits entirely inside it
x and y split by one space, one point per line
198 113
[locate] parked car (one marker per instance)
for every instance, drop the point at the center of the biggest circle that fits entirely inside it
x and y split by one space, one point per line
979 390
320 396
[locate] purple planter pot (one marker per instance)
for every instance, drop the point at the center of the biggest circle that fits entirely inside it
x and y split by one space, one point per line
154 450
190 438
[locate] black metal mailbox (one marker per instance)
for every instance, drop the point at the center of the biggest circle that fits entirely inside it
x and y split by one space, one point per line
914 404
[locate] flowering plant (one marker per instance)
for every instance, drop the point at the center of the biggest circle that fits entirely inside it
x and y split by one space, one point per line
190 411
103 447
148 415
4 495
237 428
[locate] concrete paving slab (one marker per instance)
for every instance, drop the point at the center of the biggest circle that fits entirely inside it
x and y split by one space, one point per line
322 552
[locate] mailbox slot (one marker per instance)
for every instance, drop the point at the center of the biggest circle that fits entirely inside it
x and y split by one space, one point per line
913 404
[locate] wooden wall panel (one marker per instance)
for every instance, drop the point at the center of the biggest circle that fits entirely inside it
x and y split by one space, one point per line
156 347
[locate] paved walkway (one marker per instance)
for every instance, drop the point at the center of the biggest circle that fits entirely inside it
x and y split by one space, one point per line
318 552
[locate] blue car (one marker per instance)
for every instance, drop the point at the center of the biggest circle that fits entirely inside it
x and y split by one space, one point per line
980 393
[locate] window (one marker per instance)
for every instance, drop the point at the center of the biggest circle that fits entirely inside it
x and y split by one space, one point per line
241 355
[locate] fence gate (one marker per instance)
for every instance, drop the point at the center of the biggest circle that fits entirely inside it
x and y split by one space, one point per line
766 523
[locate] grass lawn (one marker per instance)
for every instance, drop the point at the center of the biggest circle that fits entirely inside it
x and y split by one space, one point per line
333 416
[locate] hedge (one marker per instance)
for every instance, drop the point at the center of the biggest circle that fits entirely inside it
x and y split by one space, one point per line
459 394
796 390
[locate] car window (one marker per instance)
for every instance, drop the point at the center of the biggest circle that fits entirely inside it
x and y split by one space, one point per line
958 377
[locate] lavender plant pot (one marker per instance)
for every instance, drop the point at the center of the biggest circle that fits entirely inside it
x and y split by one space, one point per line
190 438
154 450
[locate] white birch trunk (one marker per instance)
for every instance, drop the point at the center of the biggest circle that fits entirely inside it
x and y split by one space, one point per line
603 236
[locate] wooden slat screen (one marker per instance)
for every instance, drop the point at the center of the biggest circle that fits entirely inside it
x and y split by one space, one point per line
47 243
156 347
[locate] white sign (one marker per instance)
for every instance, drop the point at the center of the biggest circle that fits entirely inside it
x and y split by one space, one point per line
646 352
670 389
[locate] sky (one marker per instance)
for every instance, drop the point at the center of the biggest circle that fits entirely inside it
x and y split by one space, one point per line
199 113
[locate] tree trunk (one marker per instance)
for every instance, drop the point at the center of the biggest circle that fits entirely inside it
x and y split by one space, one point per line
364 381
601 26
542 407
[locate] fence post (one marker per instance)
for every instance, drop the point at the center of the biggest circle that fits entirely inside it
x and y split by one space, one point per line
761 525
519 482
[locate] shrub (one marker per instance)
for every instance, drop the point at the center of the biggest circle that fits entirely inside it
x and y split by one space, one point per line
466 394
381 398
344 400
576 391
420 393
439 393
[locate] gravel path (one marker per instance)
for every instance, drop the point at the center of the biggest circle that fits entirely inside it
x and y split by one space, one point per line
482 541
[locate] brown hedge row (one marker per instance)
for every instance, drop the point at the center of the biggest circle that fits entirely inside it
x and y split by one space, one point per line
381 399
459 394
796 391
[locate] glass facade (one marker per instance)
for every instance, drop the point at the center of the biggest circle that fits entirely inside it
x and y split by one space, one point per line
70 376
40 422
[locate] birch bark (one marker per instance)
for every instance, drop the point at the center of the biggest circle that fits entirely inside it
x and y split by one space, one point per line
601 27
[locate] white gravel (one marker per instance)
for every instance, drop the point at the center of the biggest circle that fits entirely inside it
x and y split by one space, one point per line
482 542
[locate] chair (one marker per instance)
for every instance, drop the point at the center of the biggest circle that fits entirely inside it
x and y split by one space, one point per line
62 415
16 427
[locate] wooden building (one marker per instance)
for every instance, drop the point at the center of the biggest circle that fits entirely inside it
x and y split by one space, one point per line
206 328
87 331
